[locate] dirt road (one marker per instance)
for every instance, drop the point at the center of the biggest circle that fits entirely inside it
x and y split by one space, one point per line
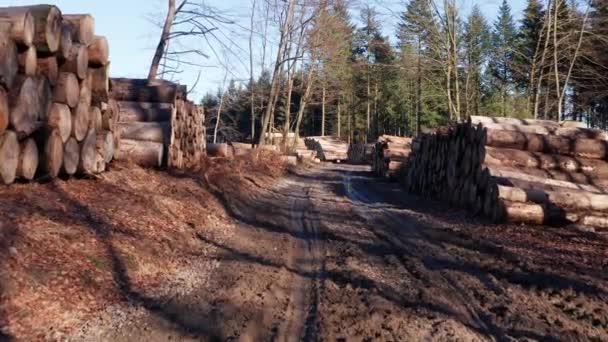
333 254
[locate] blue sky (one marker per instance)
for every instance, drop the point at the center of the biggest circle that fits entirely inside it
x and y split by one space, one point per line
132 35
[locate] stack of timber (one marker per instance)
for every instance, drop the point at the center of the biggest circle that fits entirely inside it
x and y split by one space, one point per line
389 155
360 153
328 148
512 170
157 125
53 94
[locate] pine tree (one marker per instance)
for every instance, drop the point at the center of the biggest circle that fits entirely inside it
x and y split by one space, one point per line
503 41
477 46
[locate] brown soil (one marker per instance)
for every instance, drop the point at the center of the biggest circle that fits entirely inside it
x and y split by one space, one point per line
322 254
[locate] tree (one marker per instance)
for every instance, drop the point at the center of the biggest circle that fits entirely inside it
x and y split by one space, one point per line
477 49
503 43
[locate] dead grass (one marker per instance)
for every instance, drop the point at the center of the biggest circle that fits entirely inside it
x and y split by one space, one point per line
68 249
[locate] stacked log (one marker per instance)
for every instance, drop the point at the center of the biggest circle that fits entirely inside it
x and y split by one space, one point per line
360 153
389 155
328 148
512 170
45 101
157 124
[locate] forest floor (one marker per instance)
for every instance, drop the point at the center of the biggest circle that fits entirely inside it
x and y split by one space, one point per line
244 252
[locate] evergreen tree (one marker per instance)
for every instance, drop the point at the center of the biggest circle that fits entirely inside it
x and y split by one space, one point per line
477 49
528 42
503 42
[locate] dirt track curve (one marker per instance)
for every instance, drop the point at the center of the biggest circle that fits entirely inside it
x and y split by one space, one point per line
332 254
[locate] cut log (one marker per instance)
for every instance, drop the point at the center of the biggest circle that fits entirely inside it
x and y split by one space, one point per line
25 106
517 212
100 163
71 156
136 90
566 132
582 147
219 150
9 60
88 154
28 61
83 27
110 116
516 158
594 221
47 23
99 52
513 121
48 67
145 111
506 175
52 157
96 118
19 25
105 145
65 45
80 121
28 159
60 118
146 131
4 110
86 95
77 61
9 156
67 89
143 153
100 86
566 199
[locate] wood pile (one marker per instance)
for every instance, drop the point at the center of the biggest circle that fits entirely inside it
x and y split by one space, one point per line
157 125
54 106
389 155
511 170
360 153
328 148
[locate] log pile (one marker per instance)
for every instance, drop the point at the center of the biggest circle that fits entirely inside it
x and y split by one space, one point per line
389 155
518 171
328 148
157 125
360 153
53 94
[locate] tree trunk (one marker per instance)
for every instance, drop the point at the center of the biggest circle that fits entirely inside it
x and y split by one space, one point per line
77 61
323 112
82 27
145 131
52 156
28 159
145 111
60 118
134 90
9 156
47 22
96 119
80 121
100 84
143 153
162 43
9 60
71 156
25 106
564 132
99 52
65 44
87 164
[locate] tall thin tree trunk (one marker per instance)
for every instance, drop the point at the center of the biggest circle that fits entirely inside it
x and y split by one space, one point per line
164 37
376 118
339 113
542 59
323 112
368 103
251 80
419 90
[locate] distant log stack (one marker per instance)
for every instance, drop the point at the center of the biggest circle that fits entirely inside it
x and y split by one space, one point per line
46 126
157 122
328 148
512 170
360 153
389 155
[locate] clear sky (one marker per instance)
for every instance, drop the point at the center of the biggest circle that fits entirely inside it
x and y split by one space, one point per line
132 35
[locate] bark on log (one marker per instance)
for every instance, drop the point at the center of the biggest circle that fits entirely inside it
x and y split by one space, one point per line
80 121
82 26
52 156
516 158
96 118
28 61
28 159
145 111
146 131
48 67
566 132
47 23
65 45
110 116
566 198
86 95
9 156
513 121
137 90
71 156
582 147
19 25
99 52
100 86
105 145
60 118
9 60
553 179
88 154
143 153
4 110
67 89
77 61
